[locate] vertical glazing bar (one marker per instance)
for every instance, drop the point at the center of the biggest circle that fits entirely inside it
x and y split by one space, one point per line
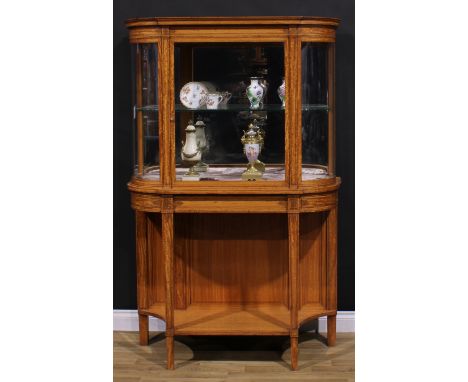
139 113
288 127
298 109
160 89
168 121
331 109
292 105
185 75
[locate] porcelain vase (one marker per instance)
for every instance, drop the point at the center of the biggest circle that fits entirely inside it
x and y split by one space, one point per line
255 93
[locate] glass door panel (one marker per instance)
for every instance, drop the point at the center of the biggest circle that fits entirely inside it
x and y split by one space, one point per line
146 110
230 122
315 109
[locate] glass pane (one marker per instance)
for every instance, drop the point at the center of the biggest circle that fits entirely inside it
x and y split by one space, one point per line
146 110
215 119
314 111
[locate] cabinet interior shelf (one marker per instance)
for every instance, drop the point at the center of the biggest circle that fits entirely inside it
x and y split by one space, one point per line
237 107
235 319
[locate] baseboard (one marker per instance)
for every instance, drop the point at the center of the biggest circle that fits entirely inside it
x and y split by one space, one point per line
127 320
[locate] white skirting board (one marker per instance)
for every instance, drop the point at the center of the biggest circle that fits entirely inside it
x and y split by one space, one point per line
127 320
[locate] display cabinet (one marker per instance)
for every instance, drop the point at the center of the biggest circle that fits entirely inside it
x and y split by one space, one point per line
234 185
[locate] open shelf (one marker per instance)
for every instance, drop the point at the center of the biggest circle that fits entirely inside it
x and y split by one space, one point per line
227 318
236 107
232 319
236 319
311 311
233 173
157 310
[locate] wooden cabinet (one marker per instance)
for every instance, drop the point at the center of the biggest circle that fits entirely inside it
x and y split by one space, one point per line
220 253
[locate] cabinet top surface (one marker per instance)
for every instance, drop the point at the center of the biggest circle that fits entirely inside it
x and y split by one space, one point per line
242 20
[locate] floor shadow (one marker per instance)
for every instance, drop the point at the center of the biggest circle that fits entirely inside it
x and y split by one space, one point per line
232 348
158 337
236 348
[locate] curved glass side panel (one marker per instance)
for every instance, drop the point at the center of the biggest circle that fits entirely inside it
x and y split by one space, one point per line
315 109
145 110
230 119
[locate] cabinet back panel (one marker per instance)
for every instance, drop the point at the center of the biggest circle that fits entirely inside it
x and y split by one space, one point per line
233 258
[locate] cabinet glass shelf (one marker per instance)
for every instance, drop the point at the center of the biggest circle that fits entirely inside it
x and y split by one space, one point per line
237 107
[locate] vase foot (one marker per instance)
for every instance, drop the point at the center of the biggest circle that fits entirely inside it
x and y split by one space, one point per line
251 174
201 167
260 166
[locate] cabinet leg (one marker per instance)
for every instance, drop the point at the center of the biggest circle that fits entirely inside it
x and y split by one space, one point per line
331 330
143 324
294 351
170 352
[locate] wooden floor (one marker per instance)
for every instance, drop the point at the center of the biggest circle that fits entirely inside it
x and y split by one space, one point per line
237 358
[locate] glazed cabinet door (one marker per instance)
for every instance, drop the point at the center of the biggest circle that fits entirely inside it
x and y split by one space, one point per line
228 113
317 110
146 110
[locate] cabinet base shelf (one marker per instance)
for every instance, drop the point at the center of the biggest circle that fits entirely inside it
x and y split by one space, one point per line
253 319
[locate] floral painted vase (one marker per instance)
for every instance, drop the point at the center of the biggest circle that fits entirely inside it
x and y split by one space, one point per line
282 93
255 92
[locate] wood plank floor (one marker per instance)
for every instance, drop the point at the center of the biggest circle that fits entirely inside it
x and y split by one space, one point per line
238 358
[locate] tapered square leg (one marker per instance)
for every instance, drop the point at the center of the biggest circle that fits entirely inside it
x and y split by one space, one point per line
331 330
143 324
294 352
170 352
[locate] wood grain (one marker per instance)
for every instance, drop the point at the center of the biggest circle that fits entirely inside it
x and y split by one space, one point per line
331 330
332 240
253 21
143 327
167 111
145 202
294 105
230 204
235 258
232 319
141 259
293 241
310 259
219 34
156 282
319 202
168 250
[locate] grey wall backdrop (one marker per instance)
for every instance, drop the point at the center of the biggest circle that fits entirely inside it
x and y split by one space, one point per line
124 230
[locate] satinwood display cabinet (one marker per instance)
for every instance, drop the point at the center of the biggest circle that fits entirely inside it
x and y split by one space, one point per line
234 185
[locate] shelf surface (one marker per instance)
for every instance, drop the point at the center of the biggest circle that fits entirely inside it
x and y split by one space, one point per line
232 319
236 319
312 311
237 107
234 173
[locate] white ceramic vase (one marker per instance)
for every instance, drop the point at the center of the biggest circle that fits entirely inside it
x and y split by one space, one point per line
190 152
255 93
